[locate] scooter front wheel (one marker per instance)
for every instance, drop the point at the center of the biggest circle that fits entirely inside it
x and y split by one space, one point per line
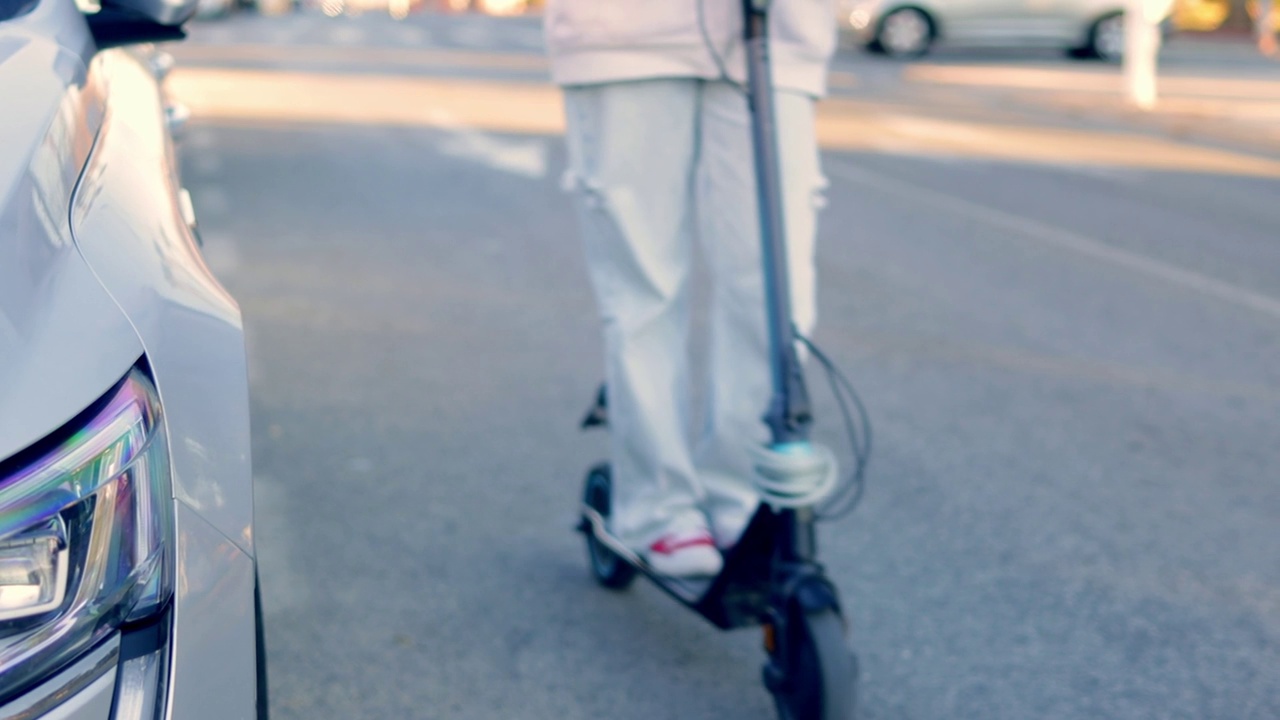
821 672
609 570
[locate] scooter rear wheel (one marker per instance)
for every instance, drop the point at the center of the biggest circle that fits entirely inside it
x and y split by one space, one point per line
609 570
822 671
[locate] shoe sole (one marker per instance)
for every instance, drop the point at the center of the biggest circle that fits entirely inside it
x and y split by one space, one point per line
693 563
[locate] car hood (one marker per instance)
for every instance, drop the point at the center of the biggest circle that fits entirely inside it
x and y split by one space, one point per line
63 340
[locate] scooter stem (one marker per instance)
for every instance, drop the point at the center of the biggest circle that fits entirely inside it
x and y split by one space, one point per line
788 415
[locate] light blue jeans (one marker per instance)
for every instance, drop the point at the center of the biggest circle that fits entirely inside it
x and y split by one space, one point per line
653 165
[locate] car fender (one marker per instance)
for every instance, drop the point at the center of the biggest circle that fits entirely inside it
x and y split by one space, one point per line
129 225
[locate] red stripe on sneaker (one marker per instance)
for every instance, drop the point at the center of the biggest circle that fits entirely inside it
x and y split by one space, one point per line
667 544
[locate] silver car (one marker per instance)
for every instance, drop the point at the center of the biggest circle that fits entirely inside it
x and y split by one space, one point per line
128 583
910 28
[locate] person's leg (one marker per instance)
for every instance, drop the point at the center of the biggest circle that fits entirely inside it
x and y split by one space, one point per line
1265 27
738 384
631 153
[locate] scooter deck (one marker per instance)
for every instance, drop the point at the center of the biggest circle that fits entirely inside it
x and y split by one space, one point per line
737 597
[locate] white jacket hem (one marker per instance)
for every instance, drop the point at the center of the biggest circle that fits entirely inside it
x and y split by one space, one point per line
608 65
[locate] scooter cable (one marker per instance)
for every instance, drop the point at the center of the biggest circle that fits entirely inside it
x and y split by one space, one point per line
848 497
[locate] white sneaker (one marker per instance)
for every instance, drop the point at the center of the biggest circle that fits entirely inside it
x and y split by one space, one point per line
684 553
727 529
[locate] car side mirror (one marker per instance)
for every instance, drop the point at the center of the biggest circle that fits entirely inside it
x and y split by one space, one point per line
126 22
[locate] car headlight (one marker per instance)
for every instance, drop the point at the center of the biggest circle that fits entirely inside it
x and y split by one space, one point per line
85 536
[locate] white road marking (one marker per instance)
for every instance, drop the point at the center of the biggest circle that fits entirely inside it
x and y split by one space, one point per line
1065 239
526 158
518 157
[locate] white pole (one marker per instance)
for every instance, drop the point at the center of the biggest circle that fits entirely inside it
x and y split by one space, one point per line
1141 45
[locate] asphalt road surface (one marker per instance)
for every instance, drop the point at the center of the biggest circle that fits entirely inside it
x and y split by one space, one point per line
1066 330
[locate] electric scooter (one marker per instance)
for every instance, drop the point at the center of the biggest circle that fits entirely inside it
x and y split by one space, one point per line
771 577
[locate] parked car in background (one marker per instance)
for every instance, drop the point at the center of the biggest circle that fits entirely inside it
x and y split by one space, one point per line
212 9
492 7
397 9
911 28
128 581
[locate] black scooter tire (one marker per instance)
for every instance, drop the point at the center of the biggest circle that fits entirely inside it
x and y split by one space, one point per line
820 682
608 569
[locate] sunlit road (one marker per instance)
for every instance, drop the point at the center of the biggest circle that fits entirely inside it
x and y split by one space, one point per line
1066 329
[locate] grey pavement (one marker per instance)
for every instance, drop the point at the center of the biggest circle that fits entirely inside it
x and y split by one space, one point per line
1073 508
